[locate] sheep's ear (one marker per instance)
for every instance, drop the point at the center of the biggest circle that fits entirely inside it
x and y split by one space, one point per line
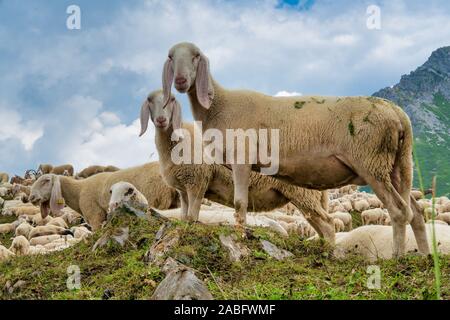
167 80
145 116
176 115
56 199
205 91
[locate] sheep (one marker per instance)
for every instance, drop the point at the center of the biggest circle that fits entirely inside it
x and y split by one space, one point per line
90 171
18 188
373 216
20 246
19 180
81 232
4 177
37 219
445 207
37 249
5 253
417 194
22 210
45 168
346 219
444 217
71 217
375 242
214 182
58 221
325 142
111 169
47 230
8 227
43 240
90 196
374 202
361 205
338 225
437 222
64 170
23 229
124 194
347 205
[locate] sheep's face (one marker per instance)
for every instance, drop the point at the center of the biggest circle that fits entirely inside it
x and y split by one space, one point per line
41 191
121 193
184 58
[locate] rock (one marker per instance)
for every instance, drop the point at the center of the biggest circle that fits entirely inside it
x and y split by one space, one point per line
275 252
157 251
235 250
118 235
180 283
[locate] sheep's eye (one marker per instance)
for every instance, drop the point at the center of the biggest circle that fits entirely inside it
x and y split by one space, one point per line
170 57
129 192
110 191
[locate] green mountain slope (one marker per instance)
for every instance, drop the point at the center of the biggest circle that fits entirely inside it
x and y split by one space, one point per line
424 94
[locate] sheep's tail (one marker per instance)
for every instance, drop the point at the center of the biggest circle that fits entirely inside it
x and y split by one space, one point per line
402 174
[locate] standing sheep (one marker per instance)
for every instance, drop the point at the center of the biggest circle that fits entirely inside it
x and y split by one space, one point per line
213 181
44 168
373 216
90 196
20 246
346 219
325 142
64 170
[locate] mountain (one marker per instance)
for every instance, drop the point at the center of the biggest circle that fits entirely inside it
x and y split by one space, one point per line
424 94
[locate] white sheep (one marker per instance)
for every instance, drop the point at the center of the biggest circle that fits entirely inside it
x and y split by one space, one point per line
215 182
20 246
43 240
81 232
58 221
361 205
47 230
339 134
346 219
8 227
437 222
5 253
444 217
71 217
373 216
23 229
127 196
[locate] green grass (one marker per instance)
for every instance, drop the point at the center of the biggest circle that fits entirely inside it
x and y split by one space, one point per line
311 274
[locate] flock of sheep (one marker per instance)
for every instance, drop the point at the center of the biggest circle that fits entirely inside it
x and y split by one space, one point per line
327 147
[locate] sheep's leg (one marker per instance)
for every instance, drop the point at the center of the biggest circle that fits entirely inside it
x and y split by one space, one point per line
184 205
398 209
241 180
418 227
324 228
195 201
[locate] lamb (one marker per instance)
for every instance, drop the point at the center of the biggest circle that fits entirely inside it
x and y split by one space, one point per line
373 216
20 246
325 142
64 170
346 219
338 225
124 194
90 196
4 177
214 182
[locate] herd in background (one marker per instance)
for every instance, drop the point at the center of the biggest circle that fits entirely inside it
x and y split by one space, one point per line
56 209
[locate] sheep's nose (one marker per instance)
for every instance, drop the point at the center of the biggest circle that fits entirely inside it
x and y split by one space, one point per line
180 80
161 120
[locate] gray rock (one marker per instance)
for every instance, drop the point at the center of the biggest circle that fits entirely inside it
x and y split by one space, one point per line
275 252
236 250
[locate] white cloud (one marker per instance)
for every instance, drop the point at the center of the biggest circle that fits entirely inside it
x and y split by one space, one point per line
13 127
287 94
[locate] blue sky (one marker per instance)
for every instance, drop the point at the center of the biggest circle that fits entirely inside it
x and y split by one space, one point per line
73 96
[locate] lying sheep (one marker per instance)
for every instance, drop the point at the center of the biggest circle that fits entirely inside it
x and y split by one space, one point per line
339 134
71 217
21 211
8 227
90 171
437 222
90 196
5 253
81 232
346 219
444 217
417 194
43 240
20 246
58 221
23 229
4 177
48 230
214 182
373 216
45 168
124 194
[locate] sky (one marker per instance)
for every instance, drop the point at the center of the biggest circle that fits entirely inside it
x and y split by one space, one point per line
73 96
